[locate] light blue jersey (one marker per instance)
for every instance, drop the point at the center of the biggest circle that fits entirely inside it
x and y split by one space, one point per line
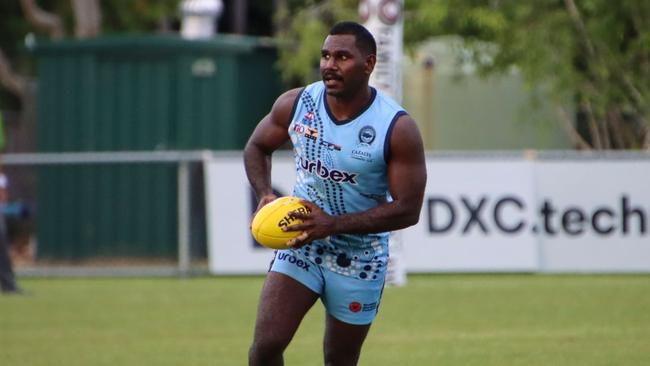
341 167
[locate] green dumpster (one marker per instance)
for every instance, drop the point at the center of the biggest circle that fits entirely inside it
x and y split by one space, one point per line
144 93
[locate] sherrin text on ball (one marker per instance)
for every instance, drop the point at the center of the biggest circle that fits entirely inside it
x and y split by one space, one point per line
269 221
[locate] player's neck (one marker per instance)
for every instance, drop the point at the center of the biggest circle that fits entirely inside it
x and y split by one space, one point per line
345 107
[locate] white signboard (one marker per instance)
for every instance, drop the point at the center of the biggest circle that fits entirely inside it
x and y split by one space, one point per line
594 215
230 204
478 215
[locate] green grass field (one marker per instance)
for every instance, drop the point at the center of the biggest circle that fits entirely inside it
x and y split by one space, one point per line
435 320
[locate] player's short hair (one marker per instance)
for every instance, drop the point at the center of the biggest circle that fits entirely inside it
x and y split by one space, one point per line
365 42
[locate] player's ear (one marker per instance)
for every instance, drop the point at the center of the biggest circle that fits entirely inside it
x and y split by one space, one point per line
371 60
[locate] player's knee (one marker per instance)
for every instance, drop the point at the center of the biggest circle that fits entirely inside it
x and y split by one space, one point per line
267 349
341 356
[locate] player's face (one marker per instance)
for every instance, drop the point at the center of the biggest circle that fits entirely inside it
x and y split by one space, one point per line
343 67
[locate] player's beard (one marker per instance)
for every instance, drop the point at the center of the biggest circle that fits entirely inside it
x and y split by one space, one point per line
334 85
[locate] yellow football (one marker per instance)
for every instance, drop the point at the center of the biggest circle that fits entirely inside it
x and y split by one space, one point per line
271 218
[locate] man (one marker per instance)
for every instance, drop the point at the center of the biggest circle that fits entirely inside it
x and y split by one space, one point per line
7 279
360 169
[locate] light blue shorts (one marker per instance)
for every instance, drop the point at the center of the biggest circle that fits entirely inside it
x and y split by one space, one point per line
348 299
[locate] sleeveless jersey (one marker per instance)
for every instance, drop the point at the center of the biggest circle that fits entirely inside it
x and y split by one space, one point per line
341 167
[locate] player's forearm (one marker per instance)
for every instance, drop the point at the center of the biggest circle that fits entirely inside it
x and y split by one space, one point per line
258 170
385 217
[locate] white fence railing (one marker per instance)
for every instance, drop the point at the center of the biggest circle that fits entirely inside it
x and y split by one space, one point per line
532 211
181 158
483 211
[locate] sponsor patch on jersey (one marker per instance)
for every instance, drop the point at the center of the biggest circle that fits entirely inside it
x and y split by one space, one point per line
369 307
285 257
299 128
309 132
308 118
361 154
319 169
356 306
330 145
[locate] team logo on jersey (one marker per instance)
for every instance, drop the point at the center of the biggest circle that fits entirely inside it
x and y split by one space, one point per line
367 135
319 169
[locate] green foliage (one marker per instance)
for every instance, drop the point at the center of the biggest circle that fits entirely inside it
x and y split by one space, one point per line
13 29
118 16
303 30
136 15
596 52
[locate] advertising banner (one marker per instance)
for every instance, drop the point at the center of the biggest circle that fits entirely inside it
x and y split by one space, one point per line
476 216
230 205
594 215
486 215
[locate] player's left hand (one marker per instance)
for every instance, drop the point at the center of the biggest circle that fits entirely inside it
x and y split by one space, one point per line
315 225
262 202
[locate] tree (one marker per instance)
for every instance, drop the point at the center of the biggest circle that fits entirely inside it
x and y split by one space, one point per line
301 26
594 52
64 18
52 25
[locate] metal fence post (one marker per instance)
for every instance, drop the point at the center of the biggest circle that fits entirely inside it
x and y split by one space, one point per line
183 218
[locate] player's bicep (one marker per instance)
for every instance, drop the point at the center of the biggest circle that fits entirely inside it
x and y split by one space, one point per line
268 135
272 131
407 173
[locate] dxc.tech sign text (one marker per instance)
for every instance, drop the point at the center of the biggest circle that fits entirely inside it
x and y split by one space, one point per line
509 214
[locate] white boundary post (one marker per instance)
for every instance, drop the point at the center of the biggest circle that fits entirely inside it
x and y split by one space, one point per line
383 18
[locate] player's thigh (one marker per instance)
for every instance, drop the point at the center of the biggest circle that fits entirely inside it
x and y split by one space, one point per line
343 341
283 304
352 300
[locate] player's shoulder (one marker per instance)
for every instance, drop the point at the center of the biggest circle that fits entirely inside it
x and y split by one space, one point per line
387 102
405 137
284 106
288 98
287 103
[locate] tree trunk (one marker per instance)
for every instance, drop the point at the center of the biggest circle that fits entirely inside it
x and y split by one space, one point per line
42 19
9 79
240 8
88 18
567 124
